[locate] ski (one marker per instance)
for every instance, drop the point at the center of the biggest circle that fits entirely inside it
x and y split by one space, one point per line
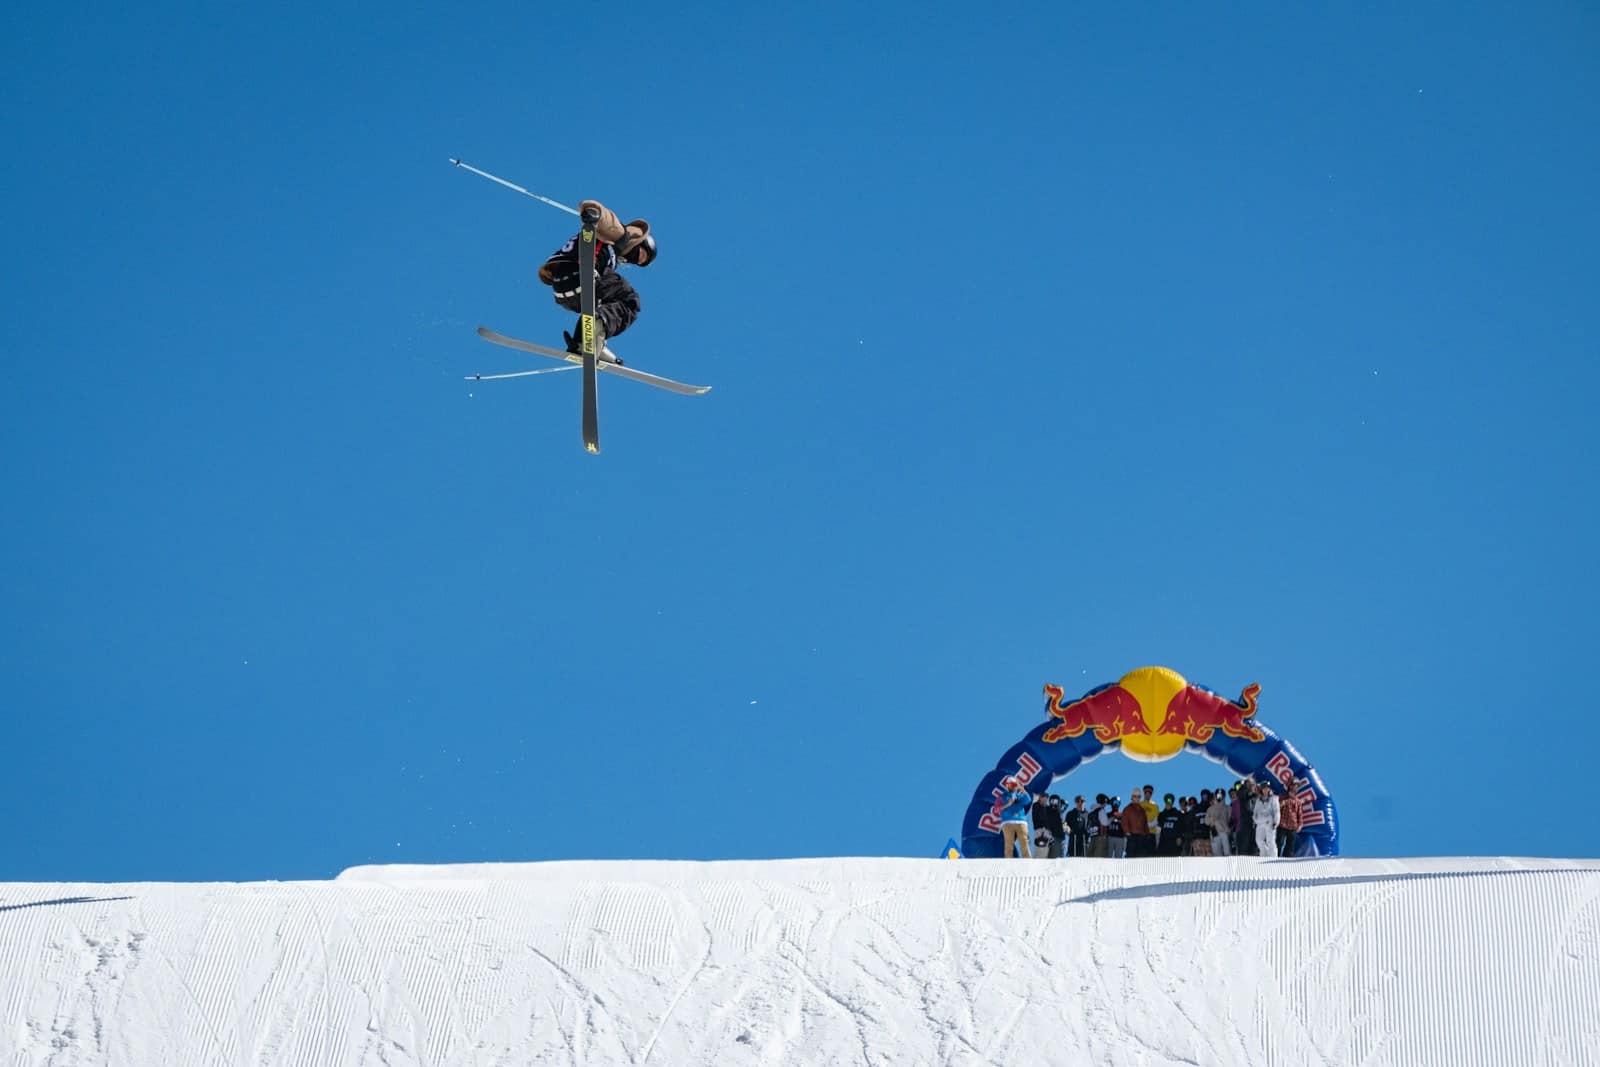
605 366
588 330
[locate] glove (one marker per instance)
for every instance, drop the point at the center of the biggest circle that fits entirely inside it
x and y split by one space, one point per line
609 228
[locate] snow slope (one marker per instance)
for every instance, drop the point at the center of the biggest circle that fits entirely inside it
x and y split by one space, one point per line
1243 961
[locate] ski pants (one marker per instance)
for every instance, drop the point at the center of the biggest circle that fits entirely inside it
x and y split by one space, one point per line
616 304
1266 839
1220 844
1015 833
1119 848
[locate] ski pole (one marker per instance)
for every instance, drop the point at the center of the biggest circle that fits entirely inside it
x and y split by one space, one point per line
519 374
517 188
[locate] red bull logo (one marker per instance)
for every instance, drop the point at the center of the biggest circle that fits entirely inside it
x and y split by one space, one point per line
1195 714
1111 712
1152 712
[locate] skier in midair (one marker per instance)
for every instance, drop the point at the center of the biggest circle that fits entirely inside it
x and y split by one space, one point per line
616 302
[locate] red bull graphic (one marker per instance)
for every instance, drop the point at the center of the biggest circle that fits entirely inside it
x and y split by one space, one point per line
1110 711
1196 713
1152 714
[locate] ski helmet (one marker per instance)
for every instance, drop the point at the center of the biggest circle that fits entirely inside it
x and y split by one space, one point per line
644 253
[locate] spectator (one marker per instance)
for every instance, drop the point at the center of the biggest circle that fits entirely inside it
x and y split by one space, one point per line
1152 820
1014 819
1186 825
1134 827
1136 843
1170 839
1116 837
1217 821
1098 841
1288 822
1047 824
1265 812
1199 833
1244 838
1077 822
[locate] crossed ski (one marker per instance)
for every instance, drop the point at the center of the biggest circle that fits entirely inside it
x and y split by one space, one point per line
574 360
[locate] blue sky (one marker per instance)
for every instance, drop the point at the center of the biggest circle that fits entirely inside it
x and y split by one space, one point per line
1048 344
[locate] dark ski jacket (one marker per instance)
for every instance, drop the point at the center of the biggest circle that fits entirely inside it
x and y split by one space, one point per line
1114 822
616 302
1172 821
1047 817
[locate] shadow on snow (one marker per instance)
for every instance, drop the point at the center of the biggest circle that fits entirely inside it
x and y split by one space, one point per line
1249 885
59 900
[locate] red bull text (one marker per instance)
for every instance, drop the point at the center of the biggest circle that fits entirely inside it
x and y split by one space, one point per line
1028 769
1297 790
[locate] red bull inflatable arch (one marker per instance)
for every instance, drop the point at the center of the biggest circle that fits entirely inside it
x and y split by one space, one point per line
1152 714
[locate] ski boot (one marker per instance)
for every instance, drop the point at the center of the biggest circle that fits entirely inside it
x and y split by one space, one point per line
575 345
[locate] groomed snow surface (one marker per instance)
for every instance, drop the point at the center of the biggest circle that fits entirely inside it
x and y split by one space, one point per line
848 961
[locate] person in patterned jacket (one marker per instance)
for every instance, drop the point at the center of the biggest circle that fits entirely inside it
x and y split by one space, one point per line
1289 819
616 301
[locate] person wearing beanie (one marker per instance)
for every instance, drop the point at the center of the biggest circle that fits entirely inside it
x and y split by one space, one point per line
1152 821
1095 825
616 301
1199 833
1118 837
1048 833
1077 822
1170 820
1014 819
1244 838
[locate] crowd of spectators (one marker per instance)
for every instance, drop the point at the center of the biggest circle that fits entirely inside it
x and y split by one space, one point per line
1247 819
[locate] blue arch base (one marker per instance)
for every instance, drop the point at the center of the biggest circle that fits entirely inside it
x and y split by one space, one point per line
1038 763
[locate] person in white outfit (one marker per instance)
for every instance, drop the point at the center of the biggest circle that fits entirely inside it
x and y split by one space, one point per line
1265 813
1216 820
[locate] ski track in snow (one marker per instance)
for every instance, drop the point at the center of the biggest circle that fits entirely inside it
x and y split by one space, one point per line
863 961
